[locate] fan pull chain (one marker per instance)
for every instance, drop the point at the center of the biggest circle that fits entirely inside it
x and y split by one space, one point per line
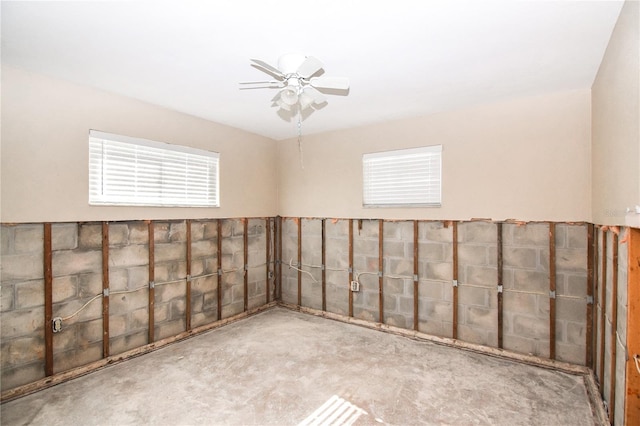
300 139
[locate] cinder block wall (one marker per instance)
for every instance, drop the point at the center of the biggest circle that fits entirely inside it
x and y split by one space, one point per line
77 286
525 283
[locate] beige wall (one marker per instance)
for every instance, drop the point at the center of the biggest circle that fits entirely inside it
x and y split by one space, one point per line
527 159
616 117
45 125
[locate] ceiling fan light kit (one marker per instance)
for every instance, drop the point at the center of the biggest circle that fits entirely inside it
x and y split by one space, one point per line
298 82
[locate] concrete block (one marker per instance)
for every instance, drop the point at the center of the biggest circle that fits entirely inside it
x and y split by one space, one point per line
390 302
473 296
529 235
366 228
7 237
21 267
64 288
431 289
432 251
170 271
472 255
139 319
434 328
22 322
75 358
520 258
161 232
132 255
117 325
65 340
178 232
571 260
28 373
478 232
570 353
577 236
365 247
435 310
26 238
203 318
127 342
21 350
64 236
167 292
210 301
90 236
438 271
89 332
69 262
479 275
177 308
519 344
473 335
232 309
481 317
29 294
161 313
204 285
576 334
397 320
571 309
395 249
137 276
258 244
520 303
531 281
168 252
138 233
197 231
365 314
435 231
119 234
576 285
7 299
210 230
203 248
118 279
123 303
527 326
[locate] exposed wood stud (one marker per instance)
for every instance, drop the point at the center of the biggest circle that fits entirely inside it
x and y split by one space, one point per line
219 282
105 286
152 278
416 262
455 278
603 309
380 271
188 289
324 262
279 291
299 261
596 301
245 245
590 281
350 267
48 301
552 290
500 284
267 227
632 385
614 326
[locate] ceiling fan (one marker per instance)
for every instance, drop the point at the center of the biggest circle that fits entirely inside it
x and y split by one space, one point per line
298 78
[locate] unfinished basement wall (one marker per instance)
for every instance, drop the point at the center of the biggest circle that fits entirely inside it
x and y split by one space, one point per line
118 286
45 133
610 321
518 286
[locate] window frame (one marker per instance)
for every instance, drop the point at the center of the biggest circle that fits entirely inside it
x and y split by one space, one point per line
161 156
429 154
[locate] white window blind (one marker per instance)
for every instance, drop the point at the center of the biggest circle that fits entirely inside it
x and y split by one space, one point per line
406 177
138 172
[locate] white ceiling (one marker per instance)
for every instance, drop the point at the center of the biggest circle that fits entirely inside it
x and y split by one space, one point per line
404 58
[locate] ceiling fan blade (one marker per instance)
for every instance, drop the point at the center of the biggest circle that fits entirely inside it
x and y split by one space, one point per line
268 67
309 67
339 83
261 82
318 98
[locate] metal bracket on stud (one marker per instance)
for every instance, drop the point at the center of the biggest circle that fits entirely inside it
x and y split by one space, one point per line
499 288
323 268
589 300
219 272
379 274
246 267
415 277
552 294
105 292
188 278
351 270
152 284
299 265
455 283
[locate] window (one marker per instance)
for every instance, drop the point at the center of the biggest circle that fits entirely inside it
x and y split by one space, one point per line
138 172
406 177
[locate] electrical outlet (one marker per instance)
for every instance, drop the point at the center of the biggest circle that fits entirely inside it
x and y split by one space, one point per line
56 324
355 286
